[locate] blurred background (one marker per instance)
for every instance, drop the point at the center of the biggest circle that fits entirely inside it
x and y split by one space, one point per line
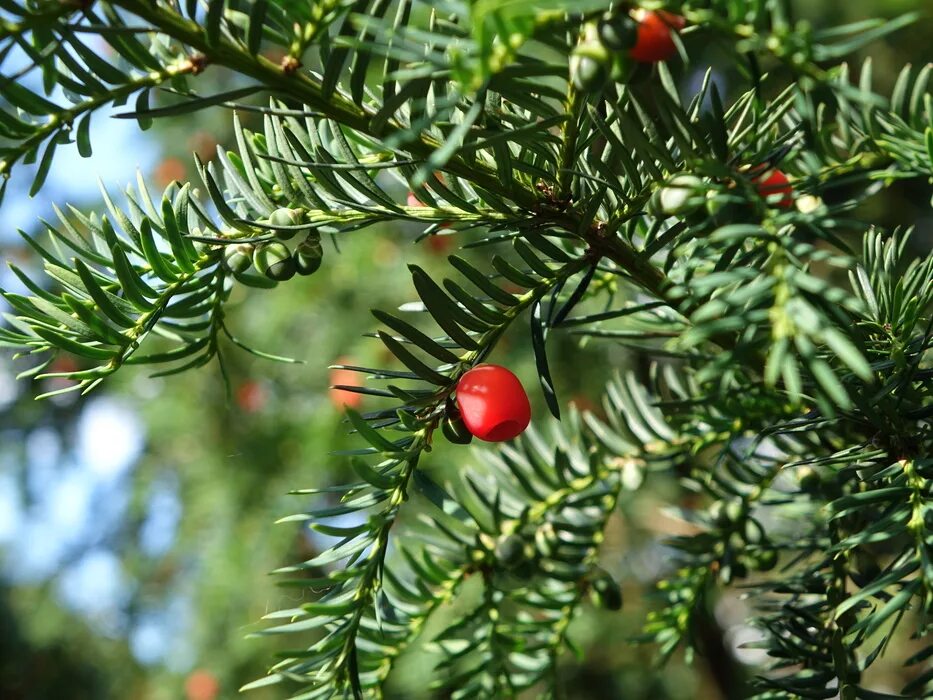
136 524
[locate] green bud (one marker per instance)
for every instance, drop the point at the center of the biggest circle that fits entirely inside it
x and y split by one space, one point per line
618 33
455 431
238 257
274 260
309 254
510 551
285 217
605 592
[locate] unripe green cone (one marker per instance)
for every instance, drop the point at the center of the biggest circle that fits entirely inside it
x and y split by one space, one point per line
717 513
754 533
725 513
618 33
623 68
809 479
605 591
726 208
525 570
510 551
866 566
308 255
589 66
764 560
285 217
681 196
274 260
455 431
238 258
735 507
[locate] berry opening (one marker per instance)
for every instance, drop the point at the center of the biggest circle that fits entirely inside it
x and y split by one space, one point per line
505 430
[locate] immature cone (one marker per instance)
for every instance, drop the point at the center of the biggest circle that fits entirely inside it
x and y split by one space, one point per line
655 40
455 430
809 479
238 258
274 260
589 66
772 183
605 592
510 551
725 513
680 196
285 217
764 560
618 33
493 403
308 255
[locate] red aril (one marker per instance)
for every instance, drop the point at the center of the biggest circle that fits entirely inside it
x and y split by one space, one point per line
774 182
655 40
493 403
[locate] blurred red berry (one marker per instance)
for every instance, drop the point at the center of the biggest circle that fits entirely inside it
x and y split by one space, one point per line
250 396
439 245
201 685
341 398
168 171
773 182
655 40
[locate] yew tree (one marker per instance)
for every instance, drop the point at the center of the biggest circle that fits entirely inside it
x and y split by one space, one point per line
776 339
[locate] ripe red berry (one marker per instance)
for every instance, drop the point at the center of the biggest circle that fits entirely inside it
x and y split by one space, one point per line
655 37
493 403
773 182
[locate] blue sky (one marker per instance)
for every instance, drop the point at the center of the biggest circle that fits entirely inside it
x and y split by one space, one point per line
76 494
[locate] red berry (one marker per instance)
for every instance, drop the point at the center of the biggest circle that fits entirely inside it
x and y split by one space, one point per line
493 403
655 37
413 201
439 245
250 396
201 685
341 398
773 182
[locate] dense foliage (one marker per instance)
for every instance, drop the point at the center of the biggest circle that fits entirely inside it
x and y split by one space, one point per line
721 236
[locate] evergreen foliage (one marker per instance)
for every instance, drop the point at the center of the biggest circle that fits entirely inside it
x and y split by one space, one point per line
791 383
